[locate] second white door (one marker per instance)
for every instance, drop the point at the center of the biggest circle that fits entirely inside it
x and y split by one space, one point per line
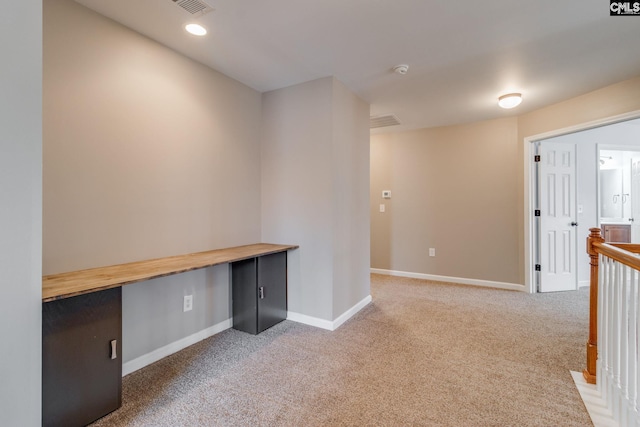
558 219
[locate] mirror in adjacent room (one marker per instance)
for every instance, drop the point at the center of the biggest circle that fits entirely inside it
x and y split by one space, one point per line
619 193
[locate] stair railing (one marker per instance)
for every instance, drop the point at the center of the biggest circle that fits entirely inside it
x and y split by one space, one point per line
614 319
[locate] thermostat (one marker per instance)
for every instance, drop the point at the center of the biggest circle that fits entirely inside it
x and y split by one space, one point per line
386 194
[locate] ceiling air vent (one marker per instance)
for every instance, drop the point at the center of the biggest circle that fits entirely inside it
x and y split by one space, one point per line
383 121
194 7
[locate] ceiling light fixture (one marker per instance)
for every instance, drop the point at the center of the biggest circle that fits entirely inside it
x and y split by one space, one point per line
196 29
510 100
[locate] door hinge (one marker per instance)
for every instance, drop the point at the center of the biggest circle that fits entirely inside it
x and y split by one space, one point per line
536 158
538 267
536 212
261 292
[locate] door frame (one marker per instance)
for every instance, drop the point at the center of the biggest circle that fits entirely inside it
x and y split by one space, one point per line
530 186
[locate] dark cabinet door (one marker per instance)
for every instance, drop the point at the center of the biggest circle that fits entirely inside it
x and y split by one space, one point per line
272 287
244 295
81 379
259 292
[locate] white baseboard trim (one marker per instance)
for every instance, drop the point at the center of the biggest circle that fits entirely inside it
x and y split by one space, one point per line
459 280
584 284
327 324
351 312
155 355
309 320
174 347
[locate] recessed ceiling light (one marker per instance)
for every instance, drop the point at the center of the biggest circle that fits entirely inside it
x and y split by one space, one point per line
195 29
510 100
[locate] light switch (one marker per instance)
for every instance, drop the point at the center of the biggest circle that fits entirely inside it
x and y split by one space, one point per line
382 207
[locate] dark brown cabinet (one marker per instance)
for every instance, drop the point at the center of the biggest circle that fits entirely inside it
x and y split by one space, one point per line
81 365
620 233
259 292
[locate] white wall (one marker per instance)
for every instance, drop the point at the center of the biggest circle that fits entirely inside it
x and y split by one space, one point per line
20 213
146 154
314 193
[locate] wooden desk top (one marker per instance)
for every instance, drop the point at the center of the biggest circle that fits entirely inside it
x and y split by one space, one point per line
65 285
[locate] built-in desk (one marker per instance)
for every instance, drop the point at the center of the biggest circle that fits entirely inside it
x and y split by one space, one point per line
82 322
65 285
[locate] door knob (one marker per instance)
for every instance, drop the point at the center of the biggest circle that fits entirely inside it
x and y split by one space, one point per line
574 224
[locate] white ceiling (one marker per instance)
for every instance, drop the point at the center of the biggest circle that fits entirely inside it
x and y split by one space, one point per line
462 54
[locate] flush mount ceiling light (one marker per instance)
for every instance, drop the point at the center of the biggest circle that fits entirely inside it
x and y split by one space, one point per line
510 100
195 29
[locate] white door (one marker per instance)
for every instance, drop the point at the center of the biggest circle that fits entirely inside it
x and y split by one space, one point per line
635 200
558 219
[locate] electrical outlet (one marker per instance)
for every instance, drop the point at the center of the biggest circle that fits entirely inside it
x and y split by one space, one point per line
432 251
187 303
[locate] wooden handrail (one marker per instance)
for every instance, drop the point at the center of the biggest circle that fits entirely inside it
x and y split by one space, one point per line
629 247
616 252
624 253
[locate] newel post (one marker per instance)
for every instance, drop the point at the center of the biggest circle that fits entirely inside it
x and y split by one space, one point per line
592 345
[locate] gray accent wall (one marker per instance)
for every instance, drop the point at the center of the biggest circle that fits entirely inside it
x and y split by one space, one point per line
146 154
351 280
297 189
21 213
315 184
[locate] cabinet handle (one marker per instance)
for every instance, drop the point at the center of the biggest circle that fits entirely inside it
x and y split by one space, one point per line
114 349
261 292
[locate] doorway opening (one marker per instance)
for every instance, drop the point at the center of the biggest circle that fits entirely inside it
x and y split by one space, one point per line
562 197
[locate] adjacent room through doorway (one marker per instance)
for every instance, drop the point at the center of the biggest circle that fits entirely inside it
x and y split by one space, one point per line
580 180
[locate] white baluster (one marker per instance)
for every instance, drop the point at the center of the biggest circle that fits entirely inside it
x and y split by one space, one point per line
633 346
617 332
602 372
609 332
611 302
624 344
618 362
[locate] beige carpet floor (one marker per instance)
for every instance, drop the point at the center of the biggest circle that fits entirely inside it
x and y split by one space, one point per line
421 354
